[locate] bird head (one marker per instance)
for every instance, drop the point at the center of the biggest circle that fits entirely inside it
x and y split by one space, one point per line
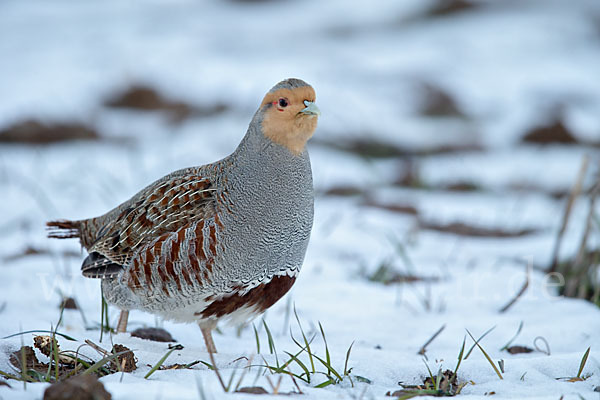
290 114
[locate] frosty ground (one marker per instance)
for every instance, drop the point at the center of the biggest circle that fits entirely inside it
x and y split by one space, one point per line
508 66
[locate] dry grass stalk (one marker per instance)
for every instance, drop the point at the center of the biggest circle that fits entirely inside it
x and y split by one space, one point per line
565 221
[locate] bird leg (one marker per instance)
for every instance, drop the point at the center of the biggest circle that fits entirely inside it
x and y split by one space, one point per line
122 325
206 327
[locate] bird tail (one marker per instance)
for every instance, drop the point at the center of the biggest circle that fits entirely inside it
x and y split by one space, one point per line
64 229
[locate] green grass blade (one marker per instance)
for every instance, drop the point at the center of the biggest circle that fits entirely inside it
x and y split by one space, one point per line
279 370
346 372
486 356
36 376
233 372
60 316
507 345
460 358
99 364
272 348
300 363
209 365
190 365
163 359
306 342
55 353
583 361
325 384
48 373
257 339
325 341
295 358
282 368
276 370
269 338
41 331
329 367
438 379
24 365
9 376
479 340
102 317
429 371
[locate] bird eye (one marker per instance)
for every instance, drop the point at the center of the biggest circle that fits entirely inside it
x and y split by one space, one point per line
283 102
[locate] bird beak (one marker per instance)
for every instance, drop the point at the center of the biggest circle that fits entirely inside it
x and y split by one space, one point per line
311 108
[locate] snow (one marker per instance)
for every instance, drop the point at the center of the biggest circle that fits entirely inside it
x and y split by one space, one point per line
507 64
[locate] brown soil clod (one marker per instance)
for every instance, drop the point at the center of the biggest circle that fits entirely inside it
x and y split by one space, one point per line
126 362
27 354
448 386
462 186
462 229
145 98
35 132
28 251
519 349
528 187
447 7
80 387
372 147
437 102
154 334
393 207
253 390
65 364
139 97
387 275
344 191
49 346
555 132
68 303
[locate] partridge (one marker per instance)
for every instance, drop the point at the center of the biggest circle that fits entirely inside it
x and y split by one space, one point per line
223 241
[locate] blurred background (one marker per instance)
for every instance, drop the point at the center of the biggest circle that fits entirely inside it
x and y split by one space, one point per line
427 105
454 135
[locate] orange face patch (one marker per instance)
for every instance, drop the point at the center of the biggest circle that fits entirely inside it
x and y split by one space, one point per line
284 122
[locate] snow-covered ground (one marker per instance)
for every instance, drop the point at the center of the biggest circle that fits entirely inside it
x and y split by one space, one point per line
507 64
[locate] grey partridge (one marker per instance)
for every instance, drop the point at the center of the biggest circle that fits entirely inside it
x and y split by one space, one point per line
222 241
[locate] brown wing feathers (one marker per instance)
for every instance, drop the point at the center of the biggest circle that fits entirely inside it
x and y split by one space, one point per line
186 257
164 207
